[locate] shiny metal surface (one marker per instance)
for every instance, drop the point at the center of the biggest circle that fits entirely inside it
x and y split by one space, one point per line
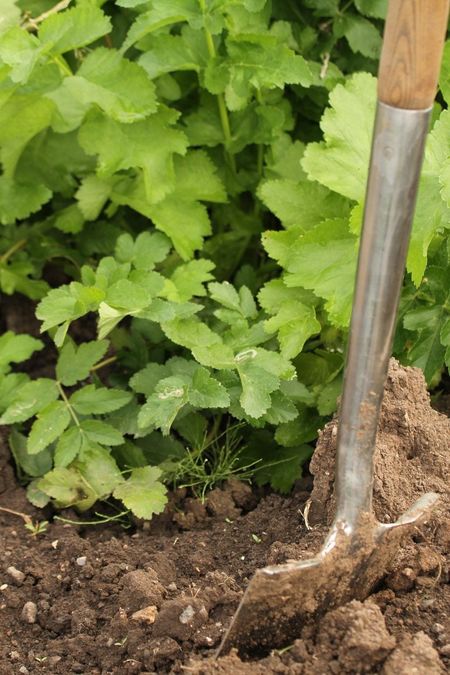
396 160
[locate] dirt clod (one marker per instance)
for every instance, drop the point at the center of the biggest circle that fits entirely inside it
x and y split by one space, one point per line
179 619
414 655
140 589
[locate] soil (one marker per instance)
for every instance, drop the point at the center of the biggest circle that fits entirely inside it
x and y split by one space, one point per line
101 600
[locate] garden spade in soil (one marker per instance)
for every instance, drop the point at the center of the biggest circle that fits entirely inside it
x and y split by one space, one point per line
358 549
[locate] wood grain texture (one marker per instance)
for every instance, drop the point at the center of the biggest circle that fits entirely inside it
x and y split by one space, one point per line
412 50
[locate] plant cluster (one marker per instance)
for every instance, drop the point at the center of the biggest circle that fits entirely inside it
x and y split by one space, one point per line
191 174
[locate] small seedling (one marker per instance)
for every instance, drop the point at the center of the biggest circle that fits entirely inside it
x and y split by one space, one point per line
36 527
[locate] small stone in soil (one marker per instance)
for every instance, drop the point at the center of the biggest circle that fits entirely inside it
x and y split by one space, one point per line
29 612
16 574
81 561
146 615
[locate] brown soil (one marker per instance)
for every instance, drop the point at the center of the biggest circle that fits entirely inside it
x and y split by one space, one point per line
101 600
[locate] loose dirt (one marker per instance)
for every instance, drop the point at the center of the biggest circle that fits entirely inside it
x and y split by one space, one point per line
101 600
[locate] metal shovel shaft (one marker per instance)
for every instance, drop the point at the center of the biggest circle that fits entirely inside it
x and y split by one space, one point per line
396 159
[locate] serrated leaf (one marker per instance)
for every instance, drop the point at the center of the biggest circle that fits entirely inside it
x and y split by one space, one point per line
119 87
32 465
20 51
294 323
162 13
148 249
301 430
99 470
207 392
170 396
9 385
49 425
324 261
66 486
100 432
91 400
16 348
75 362
18 200
68 446
188 280
30 399
253 63
145 381
142 492
92 195
148 144
341 161
66 303
75 27
375 8
36 496
361 34
302 204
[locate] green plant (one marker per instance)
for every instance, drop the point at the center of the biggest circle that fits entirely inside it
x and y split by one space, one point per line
192 175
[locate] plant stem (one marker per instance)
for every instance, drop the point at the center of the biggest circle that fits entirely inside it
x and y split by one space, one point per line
67 402
223 112
62 65
103 363
16 247
24 516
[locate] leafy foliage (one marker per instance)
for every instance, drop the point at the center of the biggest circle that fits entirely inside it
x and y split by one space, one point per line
190 175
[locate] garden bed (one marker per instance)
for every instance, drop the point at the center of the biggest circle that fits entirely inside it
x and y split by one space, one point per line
158 598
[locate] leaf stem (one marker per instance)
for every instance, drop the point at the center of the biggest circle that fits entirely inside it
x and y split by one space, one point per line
103 363
62 65
68 404
16 247
26 518
223 112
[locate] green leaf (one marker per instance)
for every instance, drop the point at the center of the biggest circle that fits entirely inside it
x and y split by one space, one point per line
143 493
375 8
257 385
101 433
66 303
145 381
323 260
9 385
294 323
162 13
66 486
444 79
68 446
92 195
100 471
170 396
18 200
10 15
17 348
148 144
301 430
427 351
50 423
75 362
303 204
74 28
361 35
207 392
205 345
188 280
119 87
341 161
254 63
20 51
145 251
30 399
32 465
91 400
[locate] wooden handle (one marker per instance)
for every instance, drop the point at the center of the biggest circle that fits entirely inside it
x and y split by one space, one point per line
412 50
